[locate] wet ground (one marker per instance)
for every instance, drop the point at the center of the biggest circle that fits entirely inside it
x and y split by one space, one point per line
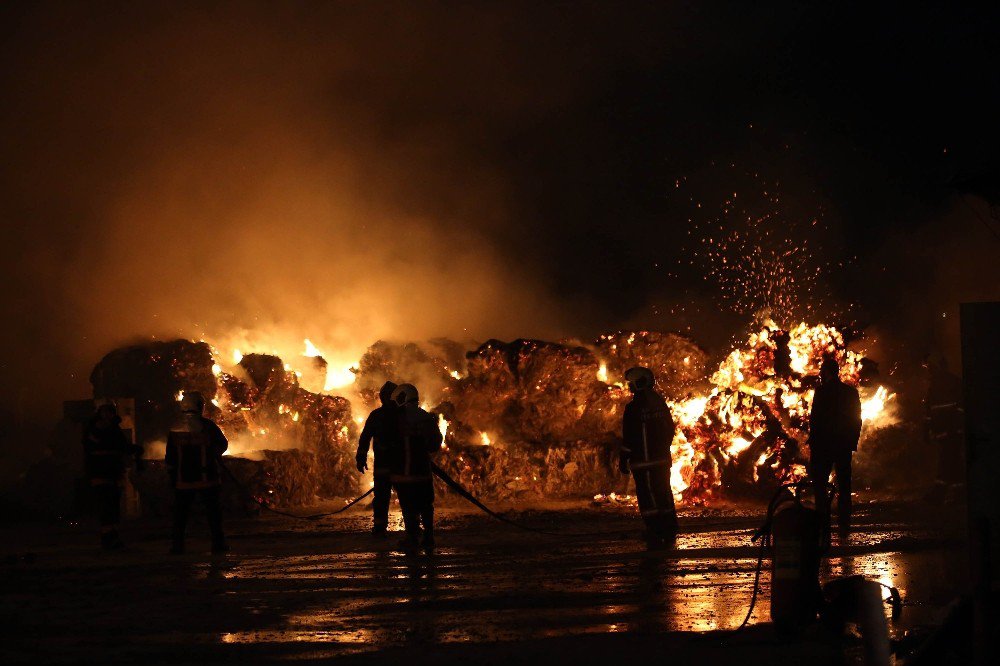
315 590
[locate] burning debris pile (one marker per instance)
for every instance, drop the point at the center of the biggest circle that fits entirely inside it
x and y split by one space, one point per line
747 434
301 440
523 418
534 417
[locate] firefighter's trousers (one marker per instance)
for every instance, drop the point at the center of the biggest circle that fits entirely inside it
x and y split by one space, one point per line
380 503
820 467
416 500
108 498
183 499
656 500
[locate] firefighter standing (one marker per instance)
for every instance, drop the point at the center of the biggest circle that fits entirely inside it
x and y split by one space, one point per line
834 429
105 448
381 427
410 462
647 431
194 447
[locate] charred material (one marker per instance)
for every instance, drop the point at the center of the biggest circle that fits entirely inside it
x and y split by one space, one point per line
153 374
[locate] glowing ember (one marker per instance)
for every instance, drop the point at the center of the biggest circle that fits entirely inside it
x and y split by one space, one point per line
337 377
602 372
443 427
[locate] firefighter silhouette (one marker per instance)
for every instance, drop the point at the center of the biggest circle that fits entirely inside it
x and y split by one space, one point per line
944 420
647 431
194 447
105 448
410 464
381 428
834 429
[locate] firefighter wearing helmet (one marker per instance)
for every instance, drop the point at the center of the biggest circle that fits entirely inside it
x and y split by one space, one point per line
105 448
647 431
194 447
379 432
410 462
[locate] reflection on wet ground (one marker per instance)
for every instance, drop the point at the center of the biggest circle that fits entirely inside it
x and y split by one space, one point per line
327 589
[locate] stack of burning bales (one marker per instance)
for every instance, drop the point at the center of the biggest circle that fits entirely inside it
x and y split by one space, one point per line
526 418
298 441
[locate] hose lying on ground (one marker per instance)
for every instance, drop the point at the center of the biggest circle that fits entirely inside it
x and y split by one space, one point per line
440 473
264 505
457 487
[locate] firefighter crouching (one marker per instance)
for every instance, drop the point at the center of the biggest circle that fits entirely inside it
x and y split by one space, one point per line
647 431
105 448
194 447
381 427
417 440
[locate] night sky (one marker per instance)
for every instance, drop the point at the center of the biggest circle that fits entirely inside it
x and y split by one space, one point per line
350 171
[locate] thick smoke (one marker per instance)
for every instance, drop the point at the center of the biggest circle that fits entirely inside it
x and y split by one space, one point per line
253 175
258 173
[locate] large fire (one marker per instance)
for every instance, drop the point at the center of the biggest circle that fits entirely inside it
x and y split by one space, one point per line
755 418
524 418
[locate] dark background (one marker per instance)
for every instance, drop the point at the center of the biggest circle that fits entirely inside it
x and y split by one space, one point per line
348 171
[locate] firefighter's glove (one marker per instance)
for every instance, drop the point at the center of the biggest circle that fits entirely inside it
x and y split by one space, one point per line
623 466
362 463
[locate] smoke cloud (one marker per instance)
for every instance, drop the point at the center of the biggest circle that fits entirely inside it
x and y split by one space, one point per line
254 175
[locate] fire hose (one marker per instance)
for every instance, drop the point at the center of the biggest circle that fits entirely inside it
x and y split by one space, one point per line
764 533
465 494
264 505
438 472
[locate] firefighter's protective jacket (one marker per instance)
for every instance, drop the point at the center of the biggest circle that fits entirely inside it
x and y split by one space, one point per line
380 431
194 447
647 431
835 419
418 439
104 451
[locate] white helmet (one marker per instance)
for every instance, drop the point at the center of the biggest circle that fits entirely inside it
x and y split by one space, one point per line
405 393
639 379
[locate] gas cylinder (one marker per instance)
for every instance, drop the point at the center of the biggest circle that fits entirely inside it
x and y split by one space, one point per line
797 545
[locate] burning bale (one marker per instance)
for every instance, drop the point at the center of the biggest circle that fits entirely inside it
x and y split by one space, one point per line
676 361
432 366
299 441
536 392
746 435
526 418
536 417
154 374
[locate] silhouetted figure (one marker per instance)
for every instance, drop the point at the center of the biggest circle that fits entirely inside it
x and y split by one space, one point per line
782 354
194 447
647 431
834 429
944 422
381 427
104 449
418 439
